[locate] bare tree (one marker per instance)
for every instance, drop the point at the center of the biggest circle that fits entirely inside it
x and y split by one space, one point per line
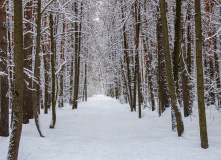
19 83
4 104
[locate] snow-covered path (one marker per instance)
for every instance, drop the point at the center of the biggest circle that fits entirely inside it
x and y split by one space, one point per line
104 129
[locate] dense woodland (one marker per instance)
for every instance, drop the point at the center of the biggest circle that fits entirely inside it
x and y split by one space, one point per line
147 53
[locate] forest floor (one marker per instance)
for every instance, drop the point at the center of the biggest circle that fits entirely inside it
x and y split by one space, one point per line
104 129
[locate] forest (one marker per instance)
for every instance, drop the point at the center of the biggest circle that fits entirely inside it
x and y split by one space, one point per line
154 55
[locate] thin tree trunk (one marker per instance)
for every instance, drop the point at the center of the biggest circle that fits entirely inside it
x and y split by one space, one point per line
127 59
186 88
137 64
177 43
53 74
36 71
85 82
4 101
46 96
27 64
172 88
76 59
61 101
72 69
19 83
200 79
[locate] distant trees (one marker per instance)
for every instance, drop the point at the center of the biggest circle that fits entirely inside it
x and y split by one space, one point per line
141 52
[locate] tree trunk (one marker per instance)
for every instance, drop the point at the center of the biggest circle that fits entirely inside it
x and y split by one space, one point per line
72 69
36 71
46 99
172 88
52 73
163 92
4 103
200 79
127 59
85 82
61 101
76 63
186 87
137 64
177 43
27 64
19 83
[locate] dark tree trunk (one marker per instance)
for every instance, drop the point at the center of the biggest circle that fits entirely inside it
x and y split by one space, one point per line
172 88
186 88
137 64
200 79
177 43
127 59
77 59
72 69
46 98
52 73
27 110
61 101
36 72
19 83
163 92
4 100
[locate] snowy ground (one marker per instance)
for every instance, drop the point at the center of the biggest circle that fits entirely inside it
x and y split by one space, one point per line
104 129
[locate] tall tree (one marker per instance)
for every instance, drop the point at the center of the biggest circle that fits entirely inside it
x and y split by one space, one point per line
77 29
172 88
52 73
200 80
163 92
27 63
36 70
177 42
19 83
4 104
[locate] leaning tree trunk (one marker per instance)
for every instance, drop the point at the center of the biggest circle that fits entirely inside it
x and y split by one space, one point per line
36 71
19 83
172 88
200 79
4 103
53 74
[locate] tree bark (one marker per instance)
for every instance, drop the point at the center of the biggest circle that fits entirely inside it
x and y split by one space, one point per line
52 73
76 59
36 71
4 100
177 43
200 79
127 59
172 89
163 92
46 96
19 83
186 88
27 64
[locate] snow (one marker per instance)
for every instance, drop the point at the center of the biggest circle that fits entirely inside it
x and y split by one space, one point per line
104 129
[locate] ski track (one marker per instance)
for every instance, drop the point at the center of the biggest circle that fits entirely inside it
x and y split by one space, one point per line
104 129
